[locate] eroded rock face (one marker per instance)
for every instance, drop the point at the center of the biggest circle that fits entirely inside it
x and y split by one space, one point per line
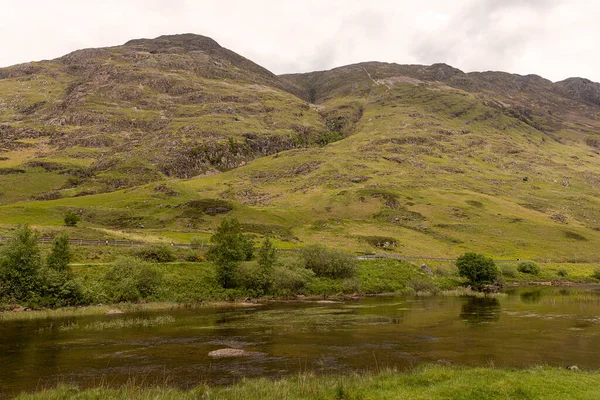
226 353
580 89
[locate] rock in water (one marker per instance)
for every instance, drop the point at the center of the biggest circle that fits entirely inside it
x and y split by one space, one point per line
223 353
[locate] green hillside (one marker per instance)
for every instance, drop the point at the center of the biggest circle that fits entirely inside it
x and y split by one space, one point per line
160 139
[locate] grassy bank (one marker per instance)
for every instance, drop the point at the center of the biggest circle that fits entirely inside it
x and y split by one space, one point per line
429 382
194 283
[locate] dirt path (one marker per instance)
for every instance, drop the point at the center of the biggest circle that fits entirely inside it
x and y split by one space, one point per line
376 82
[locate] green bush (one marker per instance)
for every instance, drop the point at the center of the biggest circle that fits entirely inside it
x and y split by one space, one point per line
509 271
249 276
156 253
130 279
71 219
596 274
58 289
478 269
419 284
291 278
20 266
563 272
26 280
529 267
331 263
194 256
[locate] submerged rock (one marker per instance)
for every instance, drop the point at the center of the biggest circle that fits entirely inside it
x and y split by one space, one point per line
222 353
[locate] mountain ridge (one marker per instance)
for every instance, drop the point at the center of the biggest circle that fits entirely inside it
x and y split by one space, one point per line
145 137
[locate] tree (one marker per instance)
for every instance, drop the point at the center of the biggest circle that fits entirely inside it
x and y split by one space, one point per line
478 269
229 249
20 265
267 254
60 255
267 257
71 219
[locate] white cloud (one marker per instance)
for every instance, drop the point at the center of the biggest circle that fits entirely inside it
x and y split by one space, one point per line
552 38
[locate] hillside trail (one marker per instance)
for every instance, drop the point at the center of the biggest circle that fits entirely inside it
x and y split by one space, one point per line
376 82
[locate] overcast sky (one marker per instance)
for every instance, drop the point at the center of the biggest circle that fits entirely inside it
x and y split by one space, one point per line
552 38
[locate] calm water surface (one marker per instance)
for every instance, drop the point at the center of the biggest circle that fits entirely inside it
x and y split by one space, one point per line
553 326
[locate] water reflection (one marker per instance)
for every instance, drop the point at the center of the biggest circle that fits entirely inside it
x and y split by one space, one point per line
478 310
531 296
298 337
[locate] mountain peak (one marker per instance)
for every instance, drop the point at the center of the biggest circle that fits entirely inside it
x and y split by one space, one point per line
171 43
580 89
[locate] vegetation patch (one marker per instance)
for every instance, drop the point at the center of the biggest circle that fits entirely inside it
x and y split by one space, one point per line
475 203
11 171
431 382
113 218
529 267
574 236
327 262
210 206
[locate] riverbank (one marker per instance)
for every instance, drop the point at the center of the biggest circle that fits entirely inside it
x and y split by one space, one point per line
428 382
187 284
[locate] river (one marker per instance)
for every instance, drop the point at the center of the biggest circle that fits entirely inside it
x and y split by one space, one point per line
525 327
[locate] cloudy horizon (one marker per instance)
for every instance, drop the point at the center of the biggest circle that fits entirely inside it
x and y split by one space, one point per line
551 38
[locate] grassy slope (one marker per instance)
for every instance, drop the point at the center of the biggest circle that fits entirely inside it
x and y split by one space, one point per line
438 169
126 115
430 382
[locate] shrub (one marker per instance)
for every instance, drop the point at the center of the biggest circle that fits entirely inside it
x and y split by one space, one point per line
563 272
58 288
249 276
156 253
331 263
477 268
71 219
419 284
194 256
596 274
20 266
130 279
148 281
529 267
291 278
509 271
229 248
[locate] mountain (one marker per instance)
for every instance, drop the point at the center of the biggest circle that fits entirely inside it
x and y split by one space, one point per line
175 106
162 138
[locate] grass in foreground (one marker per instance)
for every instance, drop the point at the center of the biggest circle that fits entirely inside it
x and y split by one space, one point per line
428 382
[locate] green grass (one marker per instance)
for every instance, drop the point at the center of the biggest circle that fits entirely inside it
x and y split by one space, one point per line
64 312
464 173
121 323
427 383
193 283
